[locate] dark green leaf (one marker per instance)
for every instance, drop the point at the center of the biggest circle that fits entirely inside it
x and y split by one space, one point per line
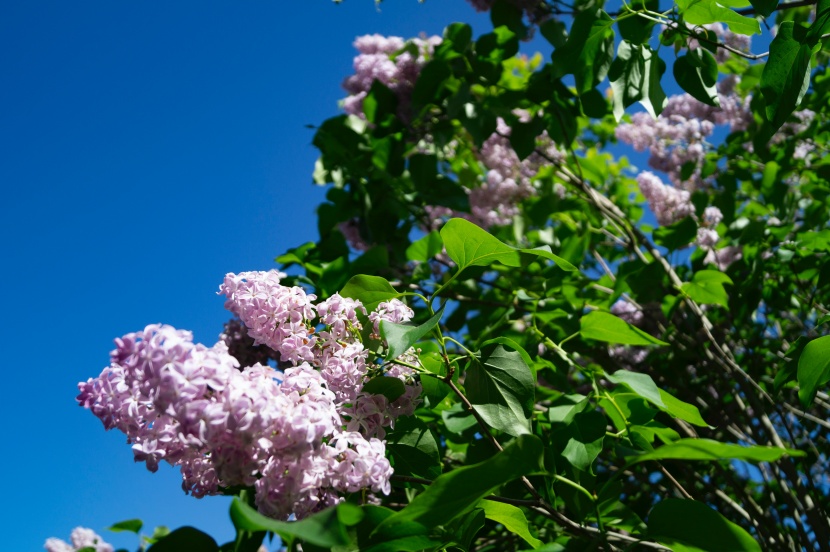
586 431
185 538
677 235
786 75
326 528
389 387
694 524
604 326
813 369
655 99
627 76
501 388
697 73
589 51
764 8
457 492
413 448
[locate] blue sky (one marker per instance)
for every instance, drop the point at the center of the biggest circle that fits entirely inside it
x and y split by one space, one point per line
148 149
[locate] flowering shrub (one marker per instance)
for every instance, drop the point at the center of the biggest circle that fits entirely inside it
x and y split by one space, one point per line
508 336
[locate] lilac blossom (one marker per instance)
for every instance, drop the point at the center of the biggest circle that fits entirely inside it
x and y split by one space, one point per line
381 58
724 257
299 437
81 538
628 311
667 203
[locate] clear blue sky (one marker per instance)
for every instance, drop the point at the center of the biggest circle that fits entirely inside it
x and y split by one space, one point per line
147 149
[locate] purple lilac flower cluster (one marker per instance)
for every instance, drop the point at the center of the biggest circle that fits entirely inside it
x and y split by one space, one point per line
81 538
299 437
668 203
381 58
678 135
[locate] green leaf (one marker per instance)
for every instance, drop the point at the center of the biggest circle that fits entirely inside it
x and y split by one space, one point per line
131 525
708 450
425 248
511 517
627 76
655 99
707 288
544 251
369 290
185 538
641 384
604 326
676 235
564 408
501 388
697 74
813 369
400 337
413 448
457 492
389 387
468 245
786 75
587 431
634 28
682 410
589 51
697 527
326 528
764 8
703 12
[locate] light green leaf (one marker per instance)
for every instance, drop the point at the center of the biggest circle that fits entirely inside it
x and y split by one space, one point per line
703 12
501 388
586 431
681 409
131 525
604 326
544 251
641 384
686 525
457 492
707 288
400 337
469 245
708 450
564 408
326 528
369 290
425 248
813 369
511 517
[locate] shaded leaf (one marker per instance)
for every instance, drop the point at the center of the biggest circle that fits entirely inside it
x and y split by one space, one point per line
425 248
697 74
587 431
400 337
389 387
185 538
786 74
693 523
708 450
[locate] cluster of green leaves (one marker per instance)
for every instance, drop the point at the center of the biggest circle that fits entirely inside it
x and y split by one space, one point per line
546 421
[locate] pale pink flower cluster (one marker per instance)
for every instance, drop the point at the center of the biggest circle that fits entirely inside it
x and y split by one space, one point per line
722 258
627 311
508 180
81 538
381 58
707 236
668 204
289 435
678 135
